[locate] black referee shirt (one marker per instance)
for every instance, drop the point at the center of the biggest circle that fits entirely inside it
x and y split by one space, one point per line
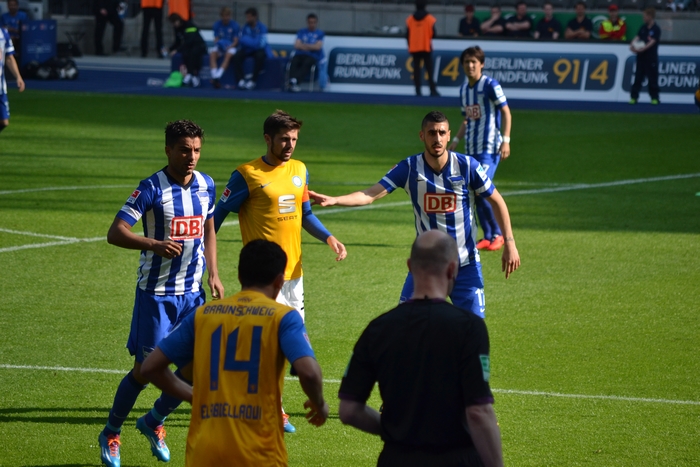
431 360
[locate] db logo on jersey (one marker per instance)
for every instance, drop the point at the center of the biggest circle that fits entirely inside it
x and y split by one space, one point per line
434 203
473 112
186 228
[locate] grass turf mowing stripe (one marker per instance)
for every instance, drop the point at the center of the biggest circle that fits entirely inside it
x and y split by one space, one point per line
337 381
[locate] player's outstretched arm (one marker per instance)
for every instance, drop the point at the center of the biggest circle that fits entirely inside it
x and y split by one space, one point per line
484 431
120 234
358 198
156 369
510 261
360 416
215 285
311 380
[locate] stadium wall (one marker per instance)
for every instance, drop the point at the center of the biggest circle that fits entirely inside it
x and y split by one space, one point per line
527 70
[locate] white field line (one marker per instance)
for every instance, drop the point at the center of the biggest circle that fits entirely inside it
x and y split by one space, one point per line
337 381
320 212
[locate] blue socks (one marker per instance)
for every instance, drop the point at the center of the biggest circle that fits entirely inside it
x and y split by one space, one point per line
164 406
124 400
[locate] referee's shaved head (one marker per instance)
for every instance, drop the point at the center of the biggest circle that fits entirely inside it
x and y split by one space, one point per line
432 252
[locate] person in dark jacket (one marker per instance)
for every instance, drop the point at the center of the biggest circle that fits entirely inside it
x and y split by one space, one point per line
107 11
190 44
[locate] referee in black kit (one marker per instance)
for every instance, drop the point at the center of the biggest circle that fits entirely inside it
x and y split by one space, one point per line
431 360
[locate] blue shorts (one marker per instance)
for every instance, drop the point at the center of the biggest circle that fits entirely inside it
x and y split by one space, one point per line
155 316
489 162
223 45
467 294
4 107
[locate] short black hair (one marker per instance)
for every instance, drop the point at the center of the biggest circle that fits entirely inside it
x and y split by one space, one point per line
280 120
434 116
260 263
182 129
311 15
520 3
252 11
580 2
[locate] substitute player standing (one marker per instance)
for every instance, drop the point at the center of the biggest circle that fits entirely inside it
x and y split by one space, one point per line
485 112
7 52
239 346
270 195
442 186
176 206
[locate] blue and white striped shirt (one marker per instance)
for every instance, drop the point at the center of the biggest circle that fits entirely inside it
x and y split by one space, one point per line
444 201
175 212
6 48
481 106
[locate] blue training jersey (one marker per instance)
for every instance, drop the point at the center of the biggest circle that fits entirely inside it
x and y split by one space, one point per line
226 31
481 106
253 38
444 201
6 48
175 212
310 37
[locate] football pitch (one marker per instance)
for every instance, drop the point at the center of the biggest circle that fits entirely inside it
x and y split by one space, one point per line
594 341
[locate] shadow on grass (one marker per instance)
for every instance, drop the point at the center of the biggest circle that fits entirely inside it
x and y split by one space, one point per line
80 416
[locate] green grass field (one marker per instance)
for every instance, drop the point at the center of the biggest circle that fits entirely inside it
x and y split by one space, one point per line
595 340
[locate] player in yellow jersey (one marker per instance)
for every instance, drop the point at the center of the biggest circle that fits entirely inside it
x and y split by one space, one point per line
238 347
270 195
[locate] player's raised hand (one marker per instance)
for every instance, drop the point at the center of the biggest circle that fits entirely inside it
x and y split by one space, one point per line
168 249
321 200
510 261
337 247
316 415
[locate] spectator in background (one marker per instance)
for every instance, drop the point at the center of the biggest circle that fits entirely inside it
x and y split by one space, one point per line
548 27
226 40
520 24
152 12
308 51
420 30
190 44
107 11
647 57
469 26
495 25
253 43
12 21
613 28
581 26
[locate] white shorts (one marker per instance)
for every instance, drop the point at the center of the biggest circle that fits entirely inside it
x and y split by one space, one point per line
292 294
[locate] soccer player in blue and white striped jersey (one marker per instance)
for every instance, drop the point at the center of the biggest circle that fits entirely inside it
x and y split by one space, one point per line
486 133
7 57
176 207
443 185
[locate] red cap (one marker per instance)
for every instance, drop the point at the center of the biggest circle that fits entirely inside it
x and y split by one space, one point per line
469 8
613 7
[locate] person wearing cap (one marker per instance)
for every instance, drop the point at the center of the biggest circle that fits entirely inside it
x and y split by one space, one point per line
469 26
420 31
613 28
548 27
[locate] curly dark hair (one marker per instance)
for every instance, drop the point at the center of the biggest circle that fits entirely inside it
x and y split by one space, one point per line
182 129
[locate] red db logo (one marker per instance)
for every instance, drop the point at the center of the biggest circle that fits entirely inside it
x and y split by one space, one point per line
440 202
186 228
